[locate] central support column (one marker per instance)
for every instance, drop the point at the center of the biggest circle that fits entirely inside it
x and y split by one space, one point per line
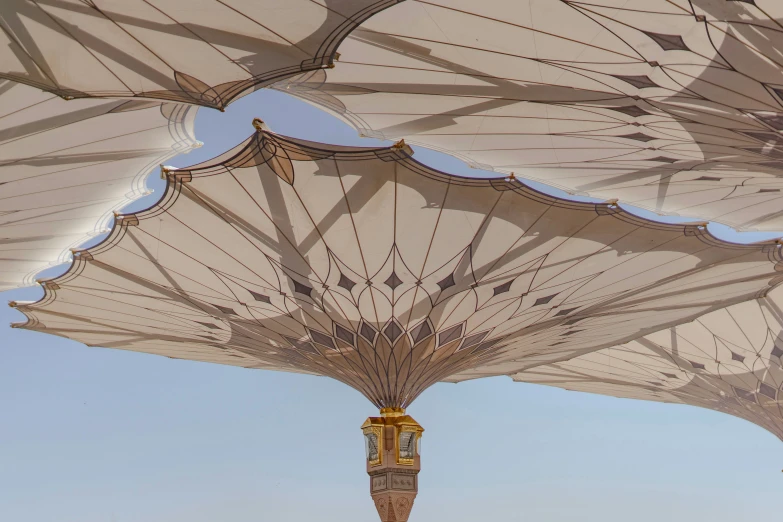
392 444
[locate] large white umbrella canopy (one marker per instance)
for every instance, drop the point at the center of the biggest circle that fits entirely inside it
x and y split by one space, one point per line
728 360
205 52
366 266
673 106
65 166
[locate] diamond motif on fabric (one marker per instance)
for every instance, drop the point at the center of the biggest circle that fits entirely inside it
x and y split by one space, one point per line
303 289
260 297
737 357
631 110
640 82
421 332
321 338
343 333
697 366
446 336
766 389
472 340
393 331
505 287
446 282
368 332
662 159
225 310
302 345
544 300
393 281
668 42
638 136
345 282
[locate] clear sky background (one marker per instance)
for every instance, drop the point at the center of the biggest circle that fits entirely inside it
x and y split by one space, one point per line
95 435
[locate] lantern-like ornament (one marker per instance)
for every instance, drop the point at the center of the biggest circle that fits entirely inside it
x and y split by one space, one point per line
392 443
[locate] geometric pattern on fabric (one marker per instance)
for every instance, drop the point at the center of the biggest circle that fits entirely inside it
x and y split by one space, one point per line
65 166
367 266
728 360
204 52
672 106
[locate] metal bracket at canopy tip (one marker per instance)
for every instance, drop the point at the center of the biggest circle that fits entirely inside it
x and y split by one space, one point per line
47 283
259 125
336 57
12 304
401 145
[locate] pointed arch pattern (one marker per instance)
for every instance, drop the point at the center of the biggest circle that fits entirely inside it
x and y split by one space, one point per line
366 266
203 52
674 106
65 167
728 360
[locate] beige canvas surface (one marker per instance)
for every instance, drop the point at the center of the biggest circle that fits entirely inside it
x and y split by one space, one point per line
204 52
65 166
669 105
369 267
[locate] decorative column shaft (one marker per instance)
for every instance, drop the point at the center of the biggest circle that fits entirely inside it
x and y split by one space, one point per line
393 462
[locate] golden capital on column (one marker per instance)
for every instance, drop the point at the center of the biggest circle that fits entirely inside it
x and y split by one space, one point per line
392 444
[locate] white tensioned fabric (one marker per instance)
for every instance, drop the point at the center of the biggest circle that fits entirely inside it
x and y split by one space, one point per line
369 267
206 52
670 105
728 360
66 165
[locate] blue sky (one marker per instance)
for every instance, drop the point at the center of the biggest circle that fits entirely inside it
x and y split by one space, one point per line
94 435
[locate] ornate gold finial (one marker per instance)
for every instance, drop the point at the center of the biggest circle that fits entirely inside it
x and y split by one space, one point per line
511 177
392 412
259 124
402 146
